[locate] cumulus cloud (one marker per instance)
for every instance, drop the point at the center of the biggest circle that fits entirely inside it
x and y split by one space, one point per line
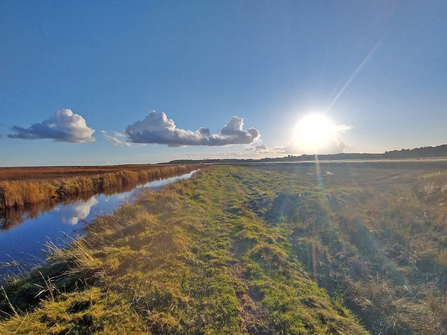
115 140
336 146
63 126
157 128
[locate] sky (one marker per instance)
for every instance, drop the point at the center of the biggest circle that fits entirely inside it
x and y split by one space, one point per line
95 83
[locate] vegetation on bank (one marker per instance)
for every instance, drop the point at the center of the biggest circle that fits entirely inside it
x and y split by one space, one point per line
273 249
34 173
21 193
196 258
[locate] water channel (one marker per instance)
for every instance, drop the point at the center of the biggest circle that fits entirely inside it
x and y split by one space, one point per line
23 241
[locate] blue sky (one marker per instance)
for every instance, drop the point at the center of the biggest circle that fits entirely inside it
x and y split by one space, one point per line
376 69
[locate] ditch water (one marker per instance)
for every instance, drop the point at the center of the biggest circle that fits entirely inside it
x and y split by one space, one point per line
23 237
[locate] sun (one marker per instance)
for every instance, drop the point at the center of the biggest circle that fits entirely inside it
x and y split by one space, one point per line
314 130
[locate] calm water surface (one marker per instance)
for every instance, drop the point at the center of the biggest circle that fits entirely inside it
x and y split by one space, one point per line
24 244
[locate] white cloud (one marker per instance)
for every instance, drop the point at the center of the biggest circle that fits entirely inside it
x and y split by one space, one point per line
114 140
261 148
342 128
64 126
157 128
336 146
333 146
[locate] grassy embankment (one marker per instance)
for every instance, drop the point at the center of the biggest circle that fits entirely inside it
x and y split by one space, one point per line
196 258
234 251
69 182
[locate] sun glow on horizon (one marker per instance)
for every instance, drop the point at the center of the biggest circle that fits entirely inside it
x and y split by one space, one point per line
314 131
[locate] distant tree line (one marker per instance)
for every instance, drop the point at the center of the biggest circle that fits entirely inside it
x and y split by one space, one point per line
424 152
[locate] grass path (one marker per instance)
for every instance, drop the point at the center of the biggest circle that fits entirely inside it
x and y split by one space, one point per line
197 258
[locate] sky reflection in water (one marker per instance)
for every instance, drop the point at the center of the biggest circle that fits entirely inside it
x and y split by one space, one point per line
25 243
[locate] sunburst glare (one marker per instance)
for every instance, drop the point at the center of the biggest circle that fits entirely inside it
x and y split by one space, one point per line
314 131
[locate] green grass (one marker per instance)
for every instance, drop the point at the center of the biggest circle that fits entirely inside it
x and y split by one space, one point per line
274 249
376 238
197 258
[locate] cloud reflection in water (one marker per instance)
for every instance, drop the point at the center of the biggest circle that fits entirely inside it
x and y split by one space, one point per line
72 213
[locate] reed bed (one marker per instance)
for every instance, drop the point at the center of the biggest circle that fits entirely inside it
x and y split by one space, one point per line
21 193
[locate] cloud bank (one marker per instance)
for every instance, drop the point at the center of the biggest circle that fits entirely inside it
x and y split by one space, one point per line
335 146
157 128
261 148
63 126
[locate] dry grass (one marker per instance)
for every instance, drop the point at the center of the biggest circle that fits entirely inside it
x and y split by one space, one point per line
56 172
37 187
191 259
375 236
241 250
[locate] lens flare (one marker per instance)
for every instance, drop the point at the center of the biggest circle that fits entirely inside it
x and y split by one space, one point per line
315 130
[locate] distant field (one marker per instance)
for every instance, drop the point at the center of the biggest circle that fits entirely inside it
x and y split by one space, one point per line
55 172
45 173
269 249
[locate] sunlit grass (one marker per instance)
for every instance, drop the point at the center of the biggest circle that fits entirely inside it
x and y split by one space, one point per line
375 236
194 259
266 250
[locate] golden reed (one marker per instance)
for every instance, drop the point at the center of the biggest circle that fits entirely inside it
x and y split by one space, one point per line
22 193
